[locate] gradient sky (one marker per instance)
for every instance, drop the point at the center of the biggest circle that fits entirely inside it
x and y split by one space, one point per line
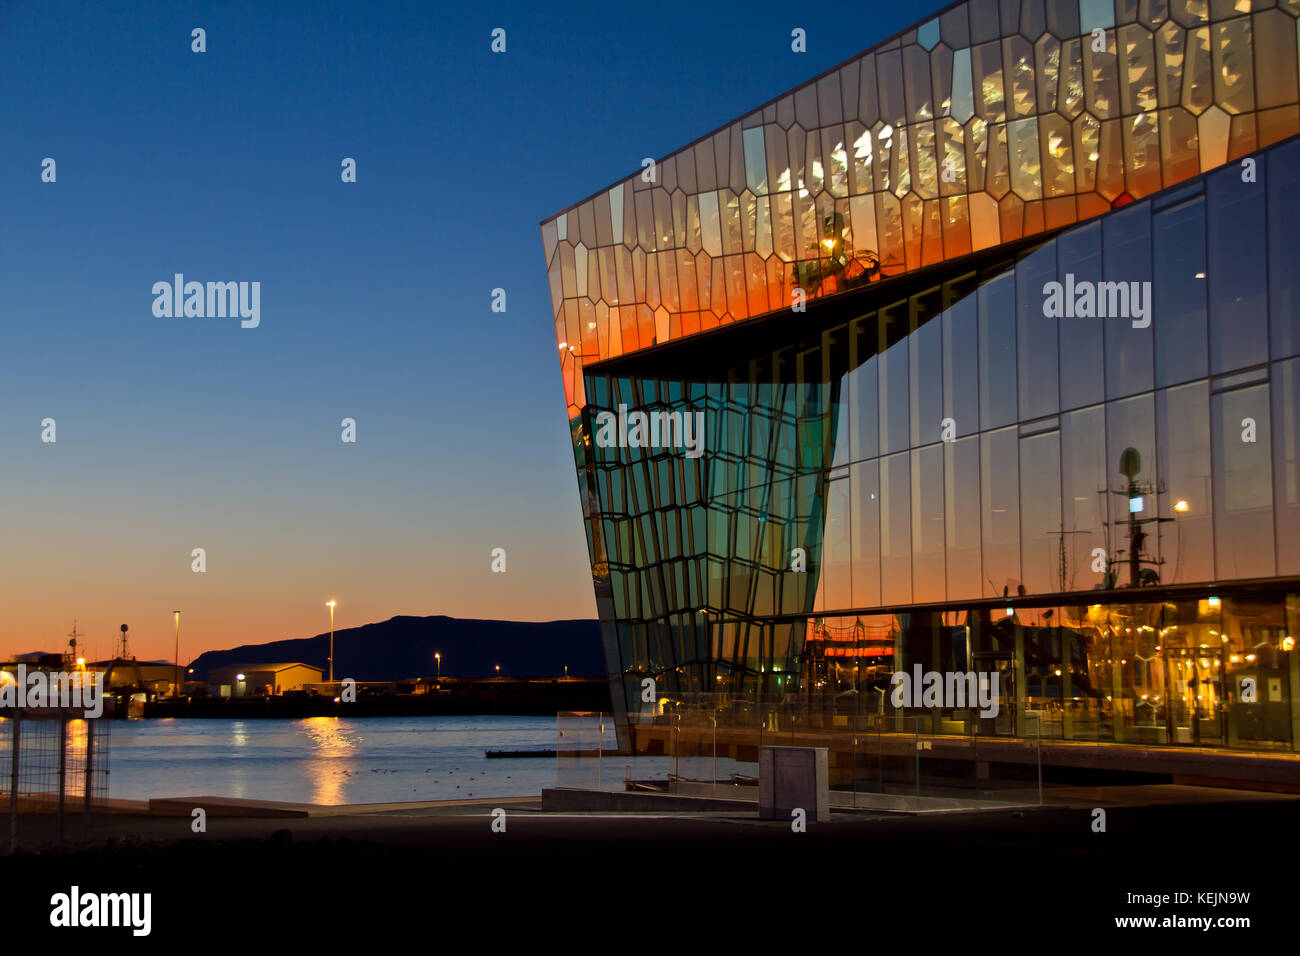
177 433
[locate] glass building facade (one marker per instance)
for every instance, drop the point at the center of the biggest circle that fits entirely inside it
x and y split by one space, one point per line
994 341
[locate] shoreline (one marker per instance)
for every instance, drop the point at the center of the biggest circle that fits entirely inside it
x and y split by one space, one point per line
487 698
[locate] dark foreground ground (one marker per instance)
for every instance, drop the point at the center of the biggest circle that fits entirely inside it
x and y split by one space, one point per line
995 881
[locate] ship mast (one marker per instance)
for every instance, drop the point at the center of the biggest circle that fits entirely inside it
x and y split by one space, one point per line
70 657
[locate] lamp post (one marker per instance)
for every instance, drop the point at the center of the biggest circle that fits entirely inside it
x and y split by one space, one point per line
330 605
437 659
177 689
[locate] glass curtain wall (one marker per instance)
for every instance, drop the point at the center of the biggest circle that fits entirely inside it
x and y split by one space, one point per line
1030 428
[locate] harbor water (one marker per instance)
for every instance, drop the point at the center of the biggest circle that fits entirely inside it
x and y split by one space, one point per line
329 760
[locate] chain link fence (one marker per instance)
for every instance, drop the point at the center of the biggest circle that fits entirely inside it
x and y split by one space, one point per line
53 773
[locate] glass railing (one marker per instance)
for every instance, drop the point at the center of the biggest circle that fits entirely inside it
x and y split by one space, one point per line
707 746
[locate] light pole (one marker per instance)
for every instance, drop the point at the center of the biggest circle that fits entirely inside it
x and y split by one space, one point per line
330 605
437 659
177 689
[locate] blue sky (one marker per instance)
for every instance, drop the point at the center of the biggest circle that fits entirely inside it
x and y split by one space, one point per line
176 433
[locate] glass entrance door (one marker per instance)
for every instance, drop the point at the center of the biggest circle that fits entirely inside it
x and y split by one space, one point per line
1191 654
1194 697
1003 664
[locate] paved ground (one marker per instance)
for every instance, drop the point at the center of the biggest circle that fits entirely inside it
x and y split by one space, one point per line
666 882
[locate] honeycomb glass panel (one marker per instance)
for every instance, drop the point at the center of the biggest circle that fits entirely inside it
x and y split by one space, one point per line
986 65
1138 76
1101 76
1056 143
1232 59
1026 163
1018 56
1170 57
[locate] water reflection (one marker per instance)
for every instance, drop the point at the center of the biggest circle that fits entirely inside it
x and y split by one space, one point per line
327 760
76 746
333 743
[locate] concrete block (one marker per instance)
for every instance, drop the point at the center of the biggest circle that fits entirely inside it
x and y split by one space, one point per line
791 778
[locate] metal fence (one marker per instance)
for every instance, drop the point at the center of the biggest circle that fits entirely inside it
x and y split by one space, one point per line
53 766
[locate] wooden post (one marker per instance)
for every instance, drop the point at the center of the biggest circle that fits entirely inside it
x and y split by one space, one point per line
90 771
63 769
14 749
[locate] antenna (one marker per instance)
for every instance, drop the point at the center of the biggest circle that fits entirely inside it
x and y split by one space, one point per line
1130 465
71 657
1061 561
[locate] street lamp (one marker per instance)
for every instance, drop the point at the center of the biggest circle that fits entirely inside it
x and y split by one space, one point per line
437 659
177 689
498 670
330 605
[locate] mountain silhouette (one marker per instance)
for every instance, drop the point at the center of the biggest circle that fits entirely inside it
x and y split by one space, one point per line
402 648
